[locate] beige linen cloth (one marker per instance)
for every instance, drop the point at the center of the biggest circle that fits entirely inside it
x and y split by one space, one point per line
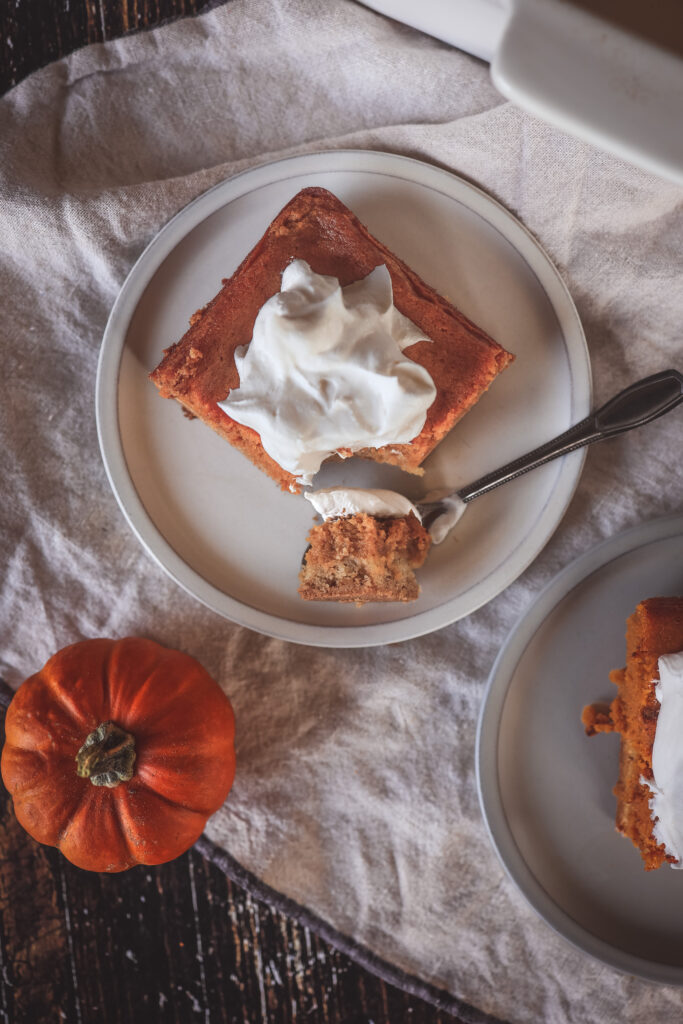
355 793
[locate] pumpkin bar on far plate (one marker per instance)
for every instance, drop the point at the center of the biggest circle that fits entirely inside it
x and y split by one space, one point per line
654 642
199 371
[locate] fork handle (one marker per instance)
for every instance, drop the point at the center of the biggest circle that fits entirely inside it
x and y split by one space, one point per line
638 404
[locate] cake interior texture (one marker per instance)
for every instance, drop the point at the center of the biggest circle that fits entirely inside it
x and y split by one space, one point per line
654 629
364 558
199 370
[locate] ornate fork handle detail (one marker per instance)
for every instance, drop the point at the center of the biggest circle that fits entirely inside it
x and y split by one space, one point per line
634 406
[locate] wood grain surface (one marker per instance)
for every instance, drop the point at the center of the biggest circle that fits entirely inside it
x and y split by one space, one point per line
35 32
179 942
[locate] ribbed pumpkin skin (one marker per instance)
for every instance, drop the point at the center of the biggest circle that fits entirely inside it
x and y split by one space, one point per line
183 726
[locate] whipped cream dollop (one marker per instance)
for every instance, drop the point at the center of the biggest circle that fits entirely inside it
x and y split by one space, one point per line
666 800
454 508
325 371
334 502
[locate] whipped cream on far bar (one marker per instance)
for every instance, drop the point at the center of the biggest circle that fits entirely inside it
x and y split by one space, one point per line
324 370
334 502
666 800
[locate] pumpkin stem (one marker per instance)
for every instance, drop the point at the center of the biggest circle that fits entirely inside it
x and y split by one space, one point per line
107 756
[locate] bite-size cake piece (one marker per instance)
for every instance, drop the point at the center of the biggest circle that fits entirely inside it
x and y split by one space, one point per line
287 360
648 714
366 549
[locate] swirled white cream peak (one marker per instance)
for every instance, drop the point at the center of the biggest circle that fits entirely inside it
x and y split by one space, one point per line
325 370
666 789
335 502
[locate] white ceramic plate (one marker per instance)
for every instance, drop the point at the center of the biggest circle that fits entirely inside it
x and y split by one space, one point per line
546 788
607 71
219 526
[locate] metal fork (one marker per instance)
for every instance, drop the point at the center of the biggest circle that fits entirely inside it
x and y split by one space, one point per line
638 404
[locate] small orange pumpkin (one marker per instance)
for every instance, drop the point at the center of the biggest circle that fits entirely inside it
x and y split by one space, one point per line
117 752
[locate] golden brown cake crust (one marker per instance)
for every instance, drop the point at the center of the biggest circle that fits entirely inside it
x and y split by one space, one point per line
315 226
364 558
654 629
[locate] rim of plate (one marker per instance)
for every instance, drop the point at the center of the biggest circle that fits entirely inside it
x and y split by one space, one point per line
486 749
114 339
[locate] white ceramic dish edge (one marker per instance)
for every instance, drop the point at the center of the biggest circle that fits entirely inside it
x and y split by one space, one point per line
136 515
486 751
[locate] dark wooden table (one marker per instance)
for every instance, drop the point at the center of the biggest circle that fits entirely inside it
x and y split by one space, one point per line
180 942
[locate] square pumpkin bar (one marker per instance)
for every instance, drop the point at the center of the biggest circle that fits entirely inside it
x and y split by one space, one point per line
200 371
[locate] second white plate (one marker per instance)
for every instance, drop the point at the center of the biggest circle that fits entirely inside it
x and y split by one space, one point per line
546 788
220 527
